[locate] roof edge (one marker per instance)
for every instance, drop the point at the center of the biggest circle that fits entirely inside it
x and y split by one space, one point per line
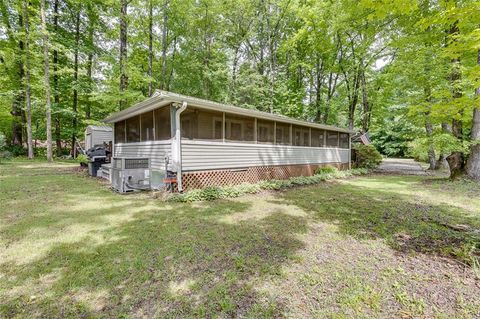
161 98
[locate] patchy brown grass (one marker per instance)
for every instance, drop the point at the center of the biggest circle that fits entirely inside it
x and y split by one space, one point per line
375 246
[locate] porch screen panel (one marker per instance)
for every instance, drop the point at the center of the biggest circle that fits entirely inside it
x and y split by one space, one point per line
120 132
344 140
208 125
133 129
332 139
282 136
146 119
301 136
163 130
265 131
318 137
239 128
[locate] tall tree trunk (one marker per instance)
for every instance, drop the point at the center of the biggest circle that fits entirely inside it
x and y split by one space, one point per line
56 96
456 160
75 82
164 46
91 28
431 151
318 88
429 130
123 52
48 112
150 47
366 104
27 79
473 163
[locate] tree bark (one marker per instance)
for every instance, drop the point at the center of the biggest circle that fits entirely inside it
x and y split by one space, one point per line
473 162
150 47
366 104
123 52
56 96
163 81
431 151
48 112
91 28
75 81
27 79
456 160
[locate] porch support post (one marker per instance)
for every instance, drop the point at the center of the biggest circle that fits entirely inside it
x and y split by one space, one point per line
223 127
291 136
274 132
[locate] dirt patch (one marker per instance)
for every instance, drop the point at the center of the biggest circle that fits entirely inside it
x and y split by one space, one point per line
340 276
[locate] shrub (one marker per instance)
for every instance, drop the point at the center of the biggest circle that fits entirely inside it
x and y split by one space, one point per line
82 159
215 192
326 170
367 156
17 150
4 154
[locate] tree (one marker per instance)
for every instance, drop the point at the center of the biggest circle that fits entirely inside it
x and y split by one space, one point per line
47 81
27 78
123 51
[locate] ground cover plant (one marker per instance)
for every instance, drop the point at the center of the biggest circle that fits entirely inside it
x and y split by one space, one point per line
372 246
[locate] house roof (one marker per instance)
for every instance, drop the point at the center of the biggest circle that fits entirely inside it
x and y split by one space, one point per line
162 98
99 128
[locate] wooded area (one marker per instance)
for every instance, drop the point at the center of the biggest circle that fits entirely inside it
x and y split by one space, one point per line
406 71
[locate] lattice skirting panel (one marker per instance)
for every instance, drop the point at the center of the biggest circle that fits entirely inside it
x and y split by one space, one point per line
201 179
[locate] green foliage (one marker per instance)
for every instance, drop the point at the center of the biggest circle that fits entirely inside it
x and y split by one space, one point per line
17 150
4 154
442 143
3 142
367 156
82 159
326 170
215 192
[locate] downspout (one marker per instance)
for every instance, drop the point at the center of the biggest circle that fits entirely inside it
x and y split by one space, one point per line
178 144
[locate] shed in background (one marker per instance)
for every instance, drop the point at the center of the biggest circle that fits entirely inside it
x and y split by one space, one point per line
98 135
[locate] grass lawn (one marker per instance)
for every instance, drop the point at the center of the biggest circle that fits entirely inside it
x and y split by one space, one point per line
368 247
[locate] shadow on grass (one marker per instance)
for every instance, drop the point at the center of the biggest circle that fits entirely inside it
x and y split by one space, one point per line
404 222
180 262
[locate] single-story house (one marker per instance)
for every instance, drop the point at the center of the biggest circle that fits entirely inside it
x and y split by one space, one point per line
204 143
98 135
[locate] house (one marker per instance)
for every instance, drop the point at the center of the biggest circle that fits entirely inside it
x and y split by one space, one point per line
97 135
204 143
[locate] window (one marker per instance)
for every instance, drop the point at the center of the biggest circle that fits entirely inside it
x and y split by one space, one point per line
217 126
201 124
265 131
147 126
344 140
301 136
120 132
133 129
318 137
239 128
163 130
332 139
186 128
282 135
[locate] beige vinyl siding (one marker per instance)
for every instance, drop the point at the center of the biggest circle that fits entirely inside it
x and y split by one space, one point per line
95 137
203 155
154 150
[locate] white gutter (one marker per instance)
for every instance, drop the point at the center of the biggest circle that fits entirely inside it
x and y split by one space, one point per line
177 146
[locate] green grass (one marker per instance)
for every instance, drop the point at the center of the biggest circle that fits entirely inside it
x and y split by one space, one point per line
69 247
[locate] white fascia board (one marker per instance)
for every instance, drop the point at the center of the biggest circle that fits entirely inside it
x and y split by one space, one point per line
162 98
